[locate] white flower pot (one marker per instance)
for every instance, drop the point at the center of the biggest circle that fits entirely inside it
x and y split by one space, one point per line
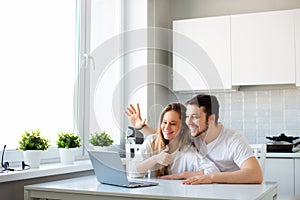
67 156
32 158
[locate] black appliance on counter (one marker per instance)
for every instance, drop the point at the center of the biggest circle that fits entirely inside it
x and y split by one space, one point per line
135 135
282 143
134 139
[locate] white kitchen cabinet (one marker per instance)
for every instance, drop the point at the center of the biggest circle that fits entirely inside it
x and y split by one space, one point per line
263 48
297 42
201 54
281 170
297 178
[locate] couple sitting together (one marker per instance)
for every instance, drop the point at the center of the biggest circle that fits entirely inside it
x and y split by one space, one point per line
191 144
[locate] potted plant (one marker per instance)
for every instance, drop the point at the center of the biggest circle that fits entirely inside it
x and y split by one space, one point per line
67 144
32 144
102 139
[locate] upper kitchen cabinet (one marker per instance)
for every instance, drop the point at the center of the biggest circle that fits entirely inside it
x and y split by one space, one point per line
263 48
297 40
201 54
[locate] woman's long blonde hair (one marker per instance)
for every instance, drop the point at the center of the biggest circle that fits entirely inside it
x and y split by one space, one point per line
160 142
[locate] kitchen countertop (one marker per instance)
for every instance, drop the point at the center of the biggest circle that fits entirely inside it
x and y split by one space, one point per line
283 155
87 187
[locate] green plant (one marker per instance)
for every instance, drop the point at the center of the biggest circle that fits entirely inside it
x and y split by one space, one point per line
101 139
33 141
68 140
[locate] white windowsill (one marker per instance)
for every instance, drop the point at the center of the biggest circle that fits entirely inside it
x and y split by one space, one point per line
46 170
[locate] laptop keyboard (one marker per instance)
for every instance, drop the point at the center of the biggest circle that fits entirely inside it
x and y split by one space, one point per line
141 183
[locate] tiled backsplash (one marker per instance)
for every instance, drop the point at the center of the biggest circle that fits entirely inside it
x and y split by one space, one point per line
258 113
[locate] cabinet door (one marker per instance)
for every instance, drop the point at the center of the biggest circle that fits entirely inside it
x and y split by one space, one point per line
210 48
297 38
297 178
281 170
263 48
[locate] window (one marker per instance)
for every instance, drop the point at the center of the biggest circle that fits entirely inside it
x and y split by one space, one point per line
43 46
38 68
117 70
104 69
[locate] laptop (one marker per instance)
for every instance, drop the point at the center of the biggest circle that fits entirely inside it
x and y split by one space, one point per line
109 170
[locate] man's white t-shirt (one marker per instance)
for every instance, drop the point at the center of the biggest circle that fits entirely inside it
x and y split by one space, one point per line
228 151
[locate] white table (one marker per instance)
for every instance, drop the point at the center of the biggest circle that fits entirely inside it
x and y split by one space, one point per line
88 188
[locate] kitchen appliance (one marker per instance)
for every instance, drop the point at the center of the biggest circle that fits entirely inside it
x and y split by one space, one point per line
134 141
283 144
134 136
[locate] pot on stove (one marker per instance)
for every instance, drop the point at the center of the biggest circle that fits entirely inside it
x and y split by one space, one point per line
282 143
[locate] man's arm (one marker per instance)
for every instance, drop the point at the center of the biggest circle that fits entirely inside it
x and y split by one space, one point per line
134 116
250 172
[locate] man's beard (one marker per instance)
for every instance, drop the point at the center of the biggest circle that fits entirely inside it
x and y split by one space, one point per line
202 131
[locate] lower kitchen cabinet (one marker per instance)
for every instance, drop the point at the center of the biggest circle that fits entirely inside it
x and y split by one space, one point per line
282 171
297 178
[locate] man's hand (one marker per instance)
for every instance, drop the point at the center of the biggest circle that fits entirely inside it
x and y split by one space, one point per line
134 116
164 158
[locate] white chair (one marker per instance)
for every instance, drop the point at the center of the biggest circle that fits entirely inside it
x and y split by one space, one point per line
260 152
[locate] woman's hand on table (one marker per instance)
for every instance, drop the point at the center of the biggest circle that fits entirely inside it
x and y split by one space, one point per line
183 175
200 179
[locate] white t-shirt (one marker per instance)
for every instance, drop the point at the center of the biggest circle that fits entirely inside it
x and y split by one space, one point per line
188 159
228 151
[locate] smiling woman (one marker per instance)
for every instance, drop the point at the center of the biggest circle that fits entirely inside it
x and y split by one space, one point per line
38 68
170 151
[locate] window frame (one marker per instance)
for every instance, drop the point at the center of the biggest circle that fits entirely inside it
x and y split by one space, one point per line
87 63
